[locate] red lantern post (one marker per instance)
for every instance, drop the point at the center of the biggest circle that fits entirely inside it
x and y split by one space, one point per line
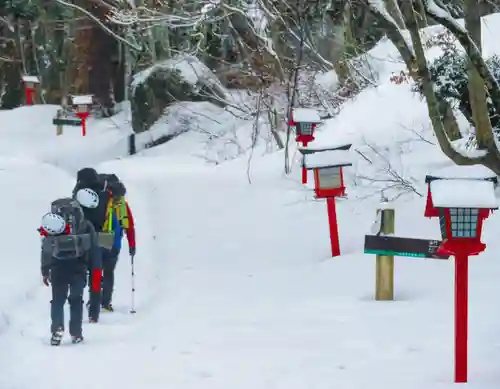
305 121
83 104
30 83
462 205
329 183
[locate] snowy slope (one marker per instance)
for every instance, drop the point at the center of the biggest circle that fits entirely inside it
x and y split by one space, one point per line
235 284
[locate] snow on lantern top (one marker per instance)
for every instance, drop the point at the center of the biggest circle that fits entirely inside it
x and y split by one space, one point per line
325 159
463 193
472 172
318 149
31 80
460 186
305 115
82 100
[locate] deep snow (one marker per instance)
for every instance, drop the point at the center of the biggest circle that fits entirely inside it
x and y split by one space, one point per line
235 284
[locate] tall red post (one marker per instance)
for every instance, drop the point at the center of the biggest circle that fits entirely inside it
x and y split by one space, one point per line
29 95
334 229
304 175
461 316
83 116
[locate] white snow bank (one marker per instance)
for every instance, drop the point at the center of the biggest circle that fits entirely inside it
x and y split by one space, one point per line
328 80
462 193
27 188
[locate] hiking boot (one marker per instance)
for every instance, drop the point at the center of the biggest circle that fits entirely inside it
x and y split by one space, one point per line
56 337
108 308
76 339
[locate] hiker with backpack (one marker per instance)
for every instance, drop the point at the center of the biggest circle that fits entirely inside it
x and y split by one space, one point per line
103 202
69 245
94 208
119 209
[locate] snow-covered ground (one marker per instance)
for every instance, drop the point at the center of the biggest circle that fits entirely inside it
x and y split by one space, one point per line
235 284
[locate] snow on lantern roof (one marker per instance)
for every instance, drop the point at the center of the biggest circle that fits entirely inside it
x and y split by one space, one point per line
330 158
33 79
82 100
463 193
316 149
472 172
305 115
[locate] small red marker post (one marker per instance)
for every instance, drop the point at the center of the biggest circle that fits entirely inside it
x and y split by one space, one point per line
83 105
30 83
461 218
329 183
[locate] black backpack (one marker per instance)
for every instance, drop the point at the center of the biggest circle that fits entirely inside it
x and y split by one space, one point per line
77 241
113 183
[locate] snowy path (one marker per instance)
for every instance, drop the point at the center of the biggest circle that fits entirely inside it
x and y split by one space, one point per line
230 296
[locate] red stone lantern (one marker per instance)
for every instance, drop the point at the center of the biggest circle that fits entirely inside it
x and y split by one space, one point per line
82 104
305 121
462 197
311 150
30 83
329 183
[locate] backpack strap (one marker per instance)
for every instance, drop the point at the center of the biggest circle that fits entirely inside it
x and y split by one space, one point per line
108 222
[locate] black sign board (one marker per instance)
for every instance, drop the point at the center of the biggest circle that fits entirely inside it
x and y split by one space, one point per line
67 122
404 247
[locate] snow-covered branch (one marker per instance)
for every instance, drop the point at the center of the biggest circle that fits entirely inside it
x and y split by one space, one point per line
394 33
443 17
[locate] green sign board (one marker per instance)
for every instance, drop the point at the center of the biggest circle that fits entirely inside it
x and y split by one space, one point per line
397 253
403 247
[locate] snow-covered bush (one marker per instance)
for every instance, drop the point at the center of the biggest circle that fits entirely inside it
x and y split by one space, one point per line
449 74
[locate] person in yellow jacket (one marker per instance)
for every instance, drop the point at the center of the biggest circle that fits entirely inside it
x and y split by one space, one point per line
118 218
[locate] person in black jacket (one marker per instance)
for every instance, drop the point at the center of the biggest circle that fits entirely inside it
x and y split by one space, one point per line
69 245
87 178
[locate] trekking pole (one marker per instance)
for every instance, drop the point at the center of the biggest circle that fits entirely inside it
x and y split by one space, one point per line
132 304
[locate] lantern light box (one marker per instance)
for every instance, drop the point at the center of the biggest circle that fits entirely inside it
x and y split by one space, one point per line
328 174
83 102
318 149
83 105
31 81
305 121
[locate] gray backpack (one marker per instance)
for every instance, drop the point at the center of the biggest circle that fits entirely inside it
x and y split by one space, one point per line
77 241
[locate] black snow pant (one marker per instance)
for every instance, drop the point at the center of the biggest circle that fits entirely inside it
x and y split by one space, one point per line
109 260
68 283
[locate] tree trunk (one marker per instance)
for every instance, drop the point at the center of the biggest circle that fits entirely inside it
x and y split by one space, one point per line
394 10
477 92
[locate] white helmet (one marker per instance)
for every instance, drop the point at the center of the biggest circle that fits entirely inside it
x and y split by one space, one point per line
87 198
54 224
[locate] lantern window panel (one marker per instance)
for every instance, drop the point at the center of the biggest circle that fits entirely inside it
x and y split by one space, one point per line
329 178
305 128
464 222
442 223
